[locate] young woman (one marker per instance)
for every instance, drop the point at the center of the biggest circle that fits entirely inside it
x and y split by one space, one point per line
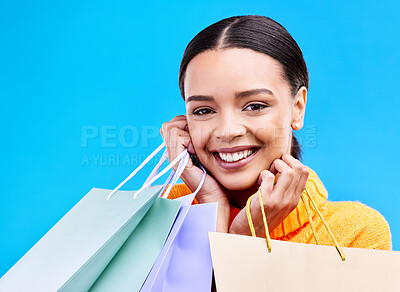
244 82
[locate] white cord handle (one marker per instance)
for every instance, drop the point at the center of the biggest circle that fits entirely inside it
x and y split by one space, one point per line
136 170
183 157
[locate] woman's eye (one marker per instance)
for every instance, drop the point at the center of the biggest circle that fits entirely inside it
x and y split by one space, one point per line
255 107
202 111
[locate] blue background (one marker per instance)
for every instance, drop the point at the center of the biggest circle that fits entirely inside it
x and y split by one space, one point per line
68 69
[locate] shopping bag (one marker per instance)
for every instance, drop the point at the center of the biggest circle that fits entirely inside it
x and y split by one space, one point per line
242 263
129 267
72 255
185 261
160 266
258 264
190 267
74 252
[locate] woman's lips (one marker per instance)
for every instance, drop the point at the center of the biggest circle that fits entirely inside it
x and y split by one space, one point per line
237 164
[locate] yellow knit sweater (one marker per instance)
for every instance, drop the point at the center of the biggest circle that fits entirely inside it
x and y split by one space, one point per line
353 224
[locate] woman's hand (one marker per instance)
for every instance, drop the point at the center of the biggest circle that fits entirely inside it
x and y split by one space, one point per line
278 200
177 138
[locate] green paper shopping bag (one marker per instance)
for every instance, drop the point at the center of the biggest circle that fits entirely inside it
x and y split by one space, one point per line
139 252
75 251
72 255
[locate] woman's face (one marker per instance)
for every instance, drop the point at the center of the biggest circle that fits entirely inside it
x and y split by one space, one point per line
239 112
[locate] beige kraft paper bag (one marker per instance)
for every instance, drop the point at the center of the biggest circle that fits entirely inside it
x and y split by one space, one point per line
243 263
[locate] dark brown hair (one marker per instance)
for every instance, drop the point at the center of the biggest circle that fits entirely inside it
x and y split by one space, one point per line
261 34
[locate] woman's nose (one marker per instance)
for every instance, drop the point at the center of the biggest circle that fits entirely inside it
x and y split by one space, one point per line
228 127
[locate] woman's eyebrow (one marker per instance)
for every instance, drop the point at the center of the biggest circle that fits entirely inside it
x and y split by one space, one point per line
250 92
199 98
238 95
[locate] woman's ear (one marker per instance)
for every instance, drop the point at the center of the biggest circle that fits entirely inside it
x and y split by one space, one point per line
299 108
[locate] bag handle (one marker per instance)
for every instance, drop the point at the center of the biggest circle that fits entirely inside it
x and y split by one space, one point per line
157 167
136 170
178 173
253 233
168 167
172 176
340 251
183 158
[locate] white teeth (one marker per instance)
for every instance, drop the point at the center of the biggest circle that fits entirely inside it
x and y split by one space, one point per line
232 157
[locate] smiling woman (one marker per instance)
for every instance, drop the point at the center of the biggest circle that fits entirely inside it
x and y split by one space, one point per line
245 82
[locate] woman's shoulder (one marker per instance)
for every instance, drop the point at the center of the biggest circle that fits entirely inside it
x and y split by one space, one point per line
361 225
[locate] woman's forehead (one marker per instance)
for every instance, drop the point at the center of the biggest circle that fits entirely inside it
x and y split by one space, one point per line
233 70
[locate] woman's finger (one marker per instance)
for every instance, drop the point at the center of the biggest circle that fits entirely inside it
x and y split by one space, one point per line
301 173
175 138
298 167
303 181
267 181
285 177
179 123
176 141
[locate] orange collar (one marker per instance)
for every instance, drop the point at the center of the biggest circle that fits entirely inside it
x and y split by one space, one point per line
298 217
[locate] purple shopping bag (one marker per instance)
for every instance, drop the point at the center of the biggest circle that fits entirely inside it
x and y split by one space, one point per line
160 267
185 263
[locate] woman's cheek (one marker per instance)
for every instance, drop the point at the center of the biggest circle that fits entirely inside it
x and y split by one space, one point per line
199 141
276 137
274 143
